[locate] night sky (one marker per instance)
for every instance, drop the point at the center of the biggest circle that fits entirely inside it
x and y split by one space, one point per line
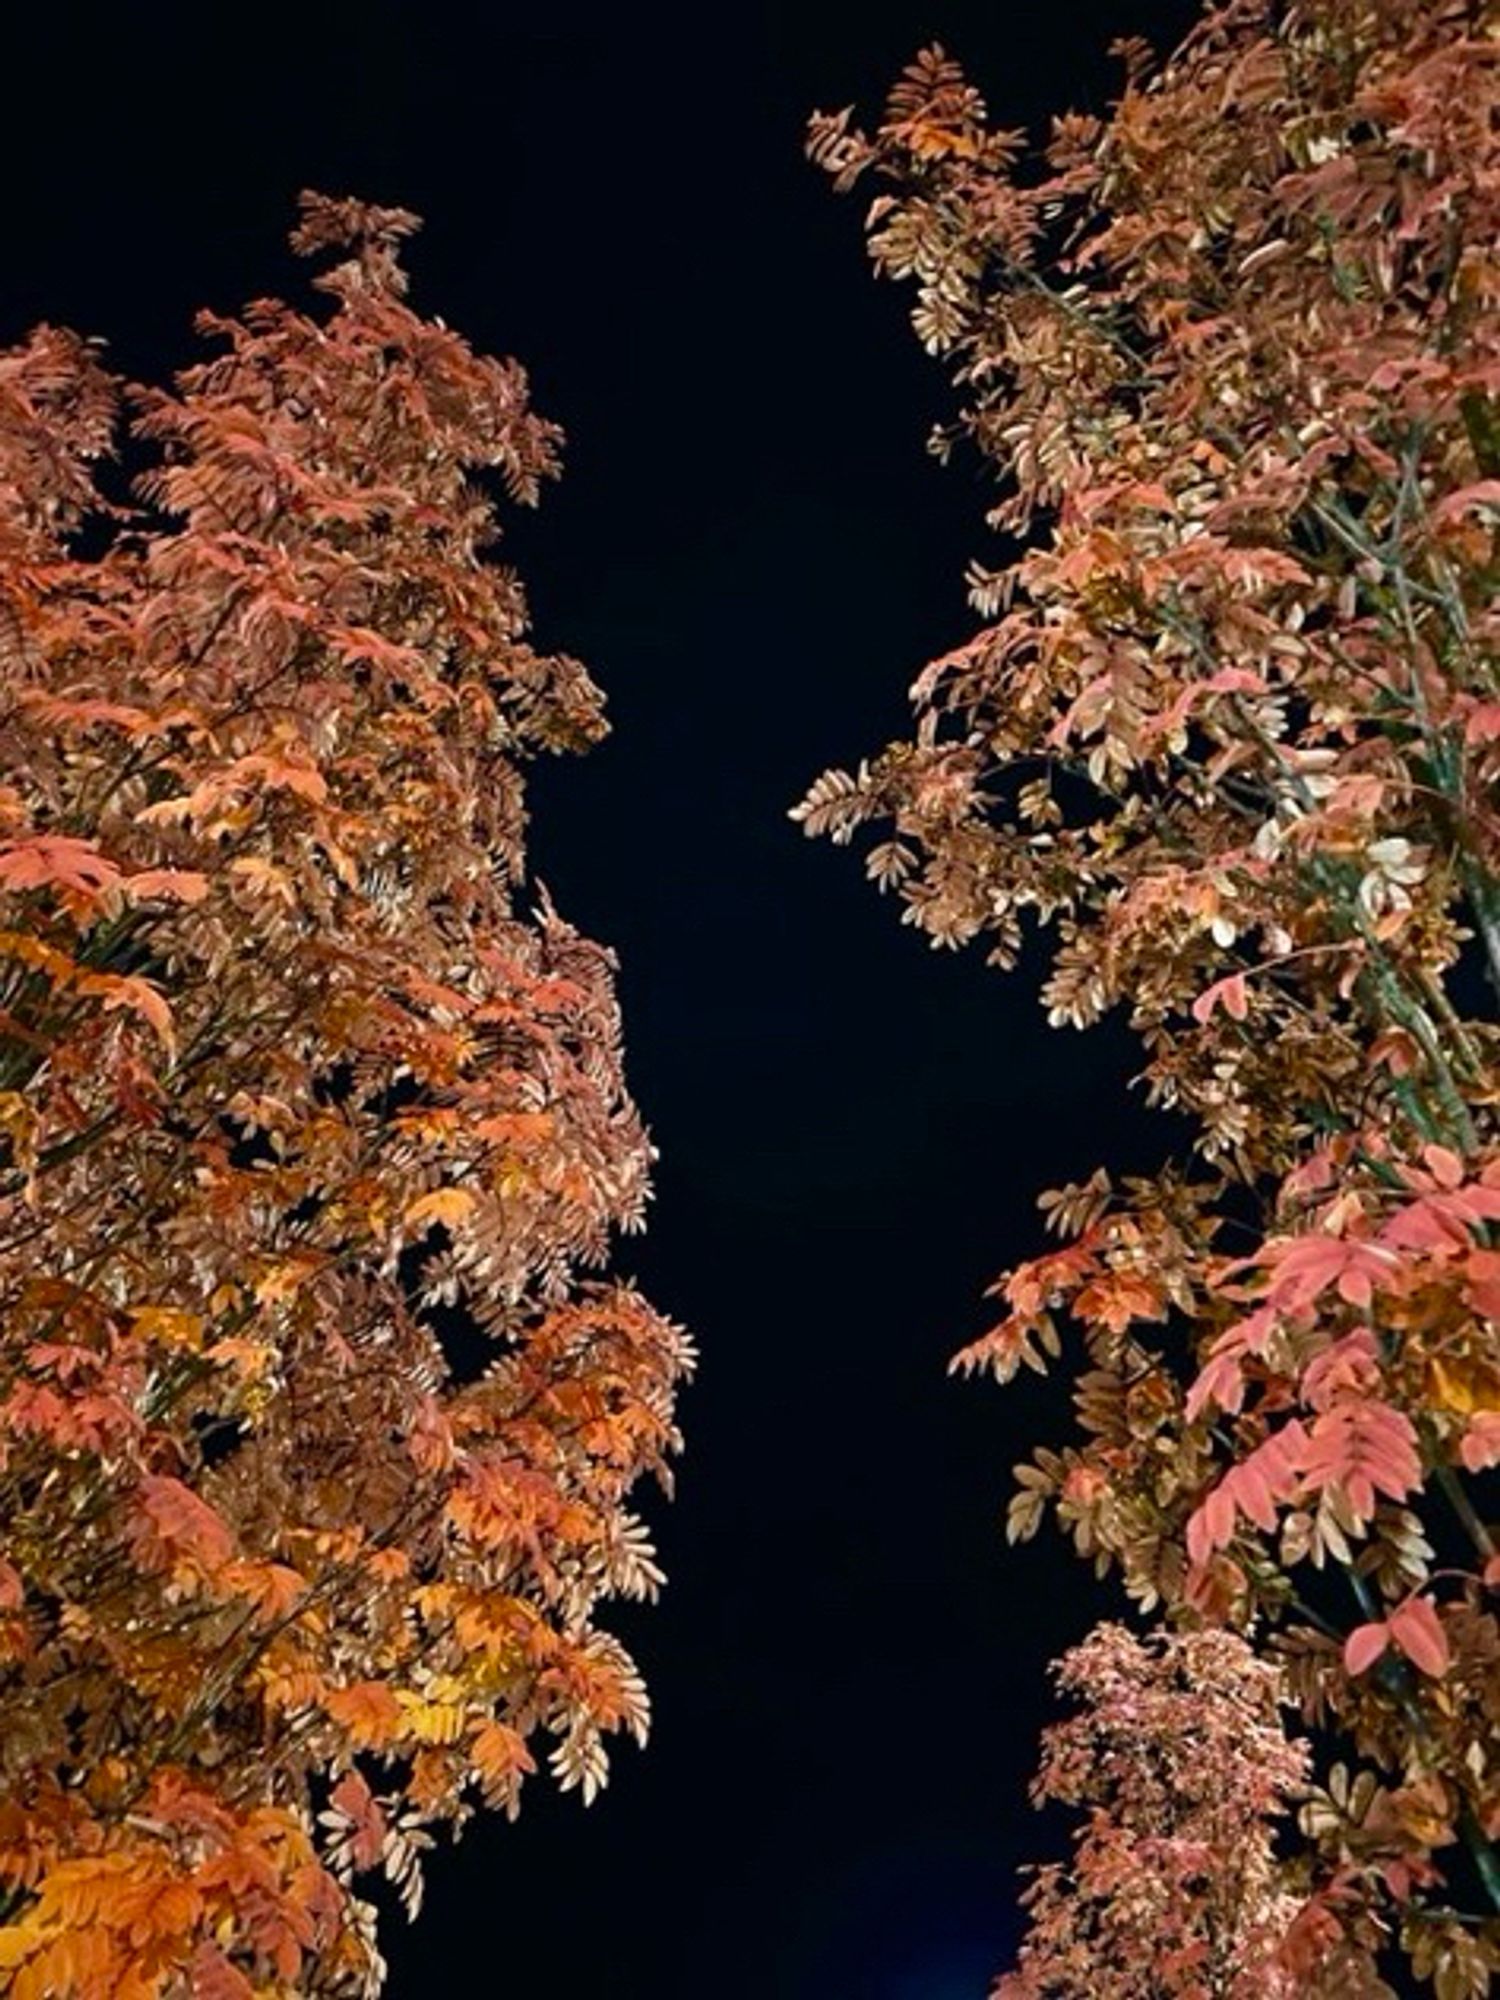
753 554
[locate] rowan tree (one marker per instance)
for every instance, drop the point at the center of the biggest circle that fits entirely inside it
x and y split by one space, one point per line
1178 1751
316 1433
1229 733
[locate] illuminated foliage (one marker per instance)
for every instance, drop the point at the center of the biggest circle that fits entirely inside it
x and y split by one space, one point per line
1178 1752
316 1436
1230 732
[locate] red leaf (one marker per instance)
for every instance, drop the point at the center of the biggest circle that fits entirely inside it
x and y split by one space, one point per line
1307 1265
1227 993
1482 1282
213 1977
1364 1646
1483 493
178 1523
1446 1167
1211 1526
1480 1448
1221 1381
1418 1631
1363 1447
367 1826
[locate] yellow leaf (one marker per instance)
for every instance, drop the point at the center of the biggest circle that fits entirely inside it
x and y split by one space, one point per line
447 1205
1464 1384
430 1721
167 1324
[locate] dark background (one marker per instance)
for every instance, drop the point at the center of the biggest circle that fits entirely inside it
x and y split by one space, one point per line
754 556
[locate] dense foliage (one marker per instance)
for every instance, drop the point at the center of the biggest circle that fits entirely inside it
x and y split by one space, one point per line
1179 1753
1230 732
315 1436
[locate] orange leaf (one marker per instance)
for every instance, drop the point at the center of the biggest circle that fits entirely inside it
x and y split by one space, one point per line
368 1711
181 885
498 1753
53 860
128 989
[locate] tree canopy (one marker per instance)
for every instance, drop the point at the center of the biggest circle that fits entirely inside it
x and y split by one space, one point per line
317 1422
1229 734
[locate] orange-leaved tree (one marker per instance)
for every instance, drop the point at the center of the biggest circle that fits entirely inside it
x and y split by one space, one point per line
1230 732
316 1436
